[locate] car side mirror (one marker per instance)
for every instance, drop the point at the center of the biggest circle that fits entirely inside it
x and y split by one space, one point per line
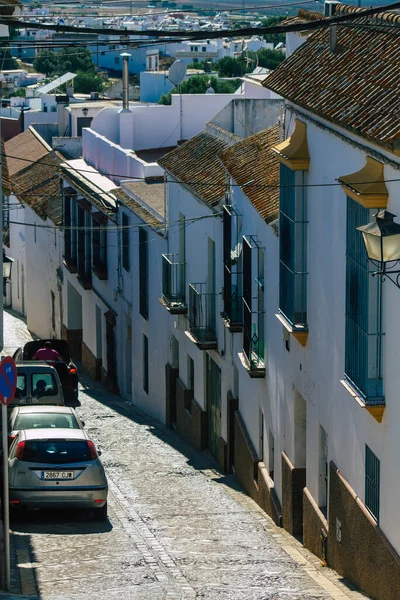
99 452
82 423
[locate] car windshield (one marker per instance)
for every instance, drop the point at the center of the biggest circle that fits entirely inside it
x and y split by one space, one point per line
56 452
43 384
46 421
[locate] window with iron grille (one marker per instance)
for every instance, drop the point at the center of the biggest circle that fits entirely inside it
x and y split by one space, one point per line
253 302
126 243
293 247
232 266
84 246
146 364
363 345
372 482
99 246
143 273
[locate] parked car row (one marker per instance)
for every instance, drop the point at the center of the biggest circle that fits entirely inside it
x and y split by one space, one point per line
52 461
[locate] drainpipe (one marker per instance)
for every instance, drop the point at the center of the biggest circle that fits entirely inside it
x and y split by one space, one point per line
125 81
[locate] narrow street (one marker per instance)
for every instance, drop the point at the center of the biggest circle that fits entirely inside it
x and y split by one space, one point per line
177 527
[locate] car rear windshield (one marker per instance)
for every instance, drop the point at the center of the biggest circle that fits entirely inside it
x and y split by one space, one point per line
56 452
43 384
46 421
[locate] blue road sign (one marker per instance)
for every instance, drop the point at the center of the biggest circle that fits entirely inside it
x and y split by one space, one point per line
8 380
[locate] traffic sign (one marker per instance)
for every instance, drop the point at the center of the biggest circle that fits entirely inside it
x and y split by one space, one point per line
8 380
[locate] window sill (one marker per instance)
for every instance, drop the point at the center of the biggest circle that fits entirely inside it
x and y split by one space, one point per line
375 410
231 326
87 285
301 335
174 308
253 372
201 343
100 274
70 268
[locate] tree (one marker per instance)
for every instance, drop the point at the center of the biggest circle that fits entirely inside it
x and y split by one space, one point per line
86 82
270 59
45 62
274 38
198 84
7 62
68 59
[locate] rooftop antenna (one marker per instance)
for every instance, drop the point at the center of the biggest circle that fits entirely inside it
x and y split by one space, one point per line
176 74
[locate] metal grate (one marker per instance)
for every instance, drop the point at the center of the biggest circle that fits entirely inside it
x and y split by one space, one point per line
372 482
143 274
363 352
293 248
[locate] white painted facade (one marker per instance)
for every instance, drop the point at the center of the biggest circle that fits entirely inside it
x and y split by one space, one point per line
35 246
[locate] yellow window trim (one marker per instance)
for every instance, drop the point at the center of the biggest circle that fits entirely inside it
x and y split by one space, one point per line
367 186
301 335
293 152
376 411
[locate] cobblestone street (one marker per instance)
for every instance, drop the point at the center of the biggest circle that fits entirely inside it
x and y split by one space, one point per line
177 527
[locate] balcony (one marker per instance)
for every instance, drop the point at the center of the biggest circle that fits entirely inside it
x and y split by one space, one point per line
173 285
233 302
202 323
253 343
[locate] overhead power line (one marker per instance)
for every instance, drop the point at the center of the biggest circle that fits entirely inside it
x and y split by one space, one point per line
198 35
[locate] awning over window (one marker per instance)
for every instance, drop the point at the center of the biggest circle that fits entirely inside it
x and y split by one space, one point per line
293 152
367 186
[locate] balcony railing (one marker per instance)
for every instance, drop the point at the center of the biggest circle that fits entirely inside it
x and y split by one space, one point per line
202 322
173 284
253 343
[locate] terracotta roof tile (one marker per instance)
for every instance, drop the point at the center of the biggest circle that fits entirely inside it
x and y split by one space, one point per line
38 186
24 149
5 176
196 165
252 160
357 86
146 216
303 16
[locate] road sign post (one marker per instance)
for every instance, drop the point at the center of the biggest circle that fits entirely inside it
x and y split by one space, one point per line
8 384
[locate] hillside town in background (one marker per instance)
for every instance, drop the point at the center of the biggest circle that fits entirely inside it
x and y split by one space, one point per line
186 214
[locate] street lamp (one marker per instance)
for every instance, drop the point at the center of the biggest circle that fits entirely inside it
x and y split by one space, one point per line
7 264
382 243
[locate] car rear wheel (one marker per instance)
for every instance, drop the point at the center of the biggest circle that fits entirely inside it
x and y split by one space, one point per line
100 514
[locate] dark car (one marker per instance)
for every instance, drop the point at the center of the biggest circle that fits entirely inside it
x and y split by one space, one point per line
66 369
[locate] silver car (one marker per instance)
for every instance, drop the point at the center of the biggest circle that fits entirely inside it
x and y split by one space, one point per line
56 468
42 417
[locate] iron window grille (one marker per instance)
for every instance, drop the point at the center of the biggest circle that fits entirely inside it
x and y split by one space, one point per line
70 233
84 248
173 281
100 246
143 273
202 323
363 321
293 247
253 303
372 482
232 256
126 243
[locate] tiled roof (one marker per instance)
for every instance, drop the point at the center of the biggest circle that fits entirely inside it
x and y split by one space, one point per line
38 186
23 150
196 165
303 16
151 192
146 216
252 160
5 176
356 87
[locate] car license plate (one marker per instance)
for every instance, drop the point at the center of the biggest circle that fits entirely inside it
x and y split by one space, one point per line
57 475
